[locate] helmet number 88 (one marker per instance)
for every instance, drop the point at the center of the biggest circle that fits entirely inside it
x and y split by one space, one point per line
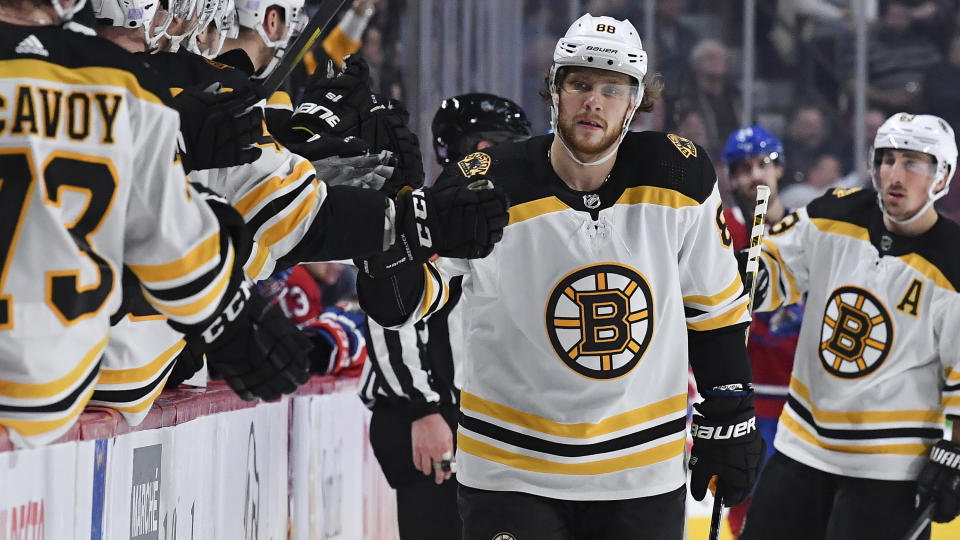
608 28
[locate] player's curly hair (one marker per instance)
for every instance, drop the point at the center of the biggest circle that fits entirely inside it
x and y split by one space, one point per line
652 88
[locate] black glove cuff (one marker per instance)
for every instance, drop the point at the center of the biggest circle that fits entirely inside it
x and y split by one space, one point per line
724 405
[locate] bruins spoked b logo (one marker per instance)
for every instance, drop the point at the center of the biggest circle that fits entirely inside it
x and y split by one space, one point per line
600 320
856 334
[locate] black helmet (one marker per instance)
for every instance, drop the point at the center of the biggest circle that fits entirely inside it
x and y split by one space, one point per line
463 121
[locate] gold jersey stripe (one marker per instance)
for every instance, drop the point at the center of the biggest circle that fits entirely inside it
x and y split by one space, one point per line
950 401
833 226
427 291
732 290
906 449
642 458
861 417
927 268
256 265
143 373
265 189
655 195
202 303
774 252
585 430
283 227
52 388
952 375
29 68
729 317
532 209
197 257
32 428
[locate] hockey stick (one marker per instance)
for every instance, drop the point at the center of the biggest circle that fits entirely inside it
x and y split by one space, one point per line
920 524
753 265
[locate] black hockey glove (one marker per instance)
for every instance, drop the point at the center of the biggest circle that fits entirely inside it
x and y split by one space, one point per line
336 103
254 347
389 130
763 276
185 365
726 444
321 146
452 218
213 133
939 481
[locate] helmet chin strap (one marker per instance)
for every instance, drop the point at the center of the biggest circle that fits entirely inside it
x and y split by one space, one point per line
931 198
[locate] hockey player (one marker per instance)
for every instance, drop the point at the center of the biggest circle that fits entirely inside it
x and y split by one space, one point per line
754 157
91 183
411 381
292 216
877 362
613 273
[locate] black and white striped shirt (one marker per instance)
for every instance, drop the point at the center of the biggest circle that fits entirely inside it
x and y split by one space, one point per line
415 367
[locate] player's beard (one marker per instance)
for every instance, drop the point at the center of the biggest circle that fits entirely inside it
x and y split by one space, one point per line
585 146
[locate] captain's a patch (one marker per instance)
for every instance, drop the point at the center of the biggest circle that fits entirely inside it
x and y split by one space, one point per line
474 164
684 145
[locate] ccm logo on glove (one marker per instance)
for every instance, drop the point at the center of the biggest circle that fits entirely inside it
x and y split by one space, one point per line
945 457
229 314
420 212
734 431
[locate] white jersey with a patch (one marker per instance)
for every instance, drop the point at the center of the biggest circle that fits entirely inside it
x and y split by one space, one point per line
575 376
878 360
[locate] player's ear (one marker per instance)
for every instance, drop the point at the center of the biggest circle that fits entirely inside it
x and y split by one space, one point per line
273 22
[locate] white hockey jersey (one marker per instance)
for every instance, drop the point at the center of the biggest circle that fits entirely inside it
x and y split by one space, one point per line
878 360
575 376
88 184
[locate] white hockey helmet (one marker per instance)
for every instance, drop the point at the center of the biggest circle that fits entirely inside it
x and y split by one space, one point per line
924 133
224 19
193 16
602 43
145 14
251 14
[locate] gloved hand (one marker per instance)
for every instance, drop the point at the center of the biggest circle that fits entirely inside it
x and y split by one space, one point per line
452 218
367 171
254 347
336 103
343 105
322 146
339 345
217 129
726 444
763 276
939 481
185 365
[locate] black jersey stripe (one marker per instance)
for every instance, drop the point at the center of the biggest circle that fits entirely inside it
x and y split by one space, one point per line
132 395
536 444
64 404
862 434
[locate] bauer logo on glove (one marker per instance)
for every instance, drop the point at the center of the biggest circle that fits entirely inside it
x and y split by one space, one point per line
722 432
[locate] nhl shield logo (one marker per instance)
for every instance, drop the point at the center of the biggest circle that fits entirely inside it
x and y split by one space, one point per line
591 201
504 536
474 164
599 320
684 145
856 335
